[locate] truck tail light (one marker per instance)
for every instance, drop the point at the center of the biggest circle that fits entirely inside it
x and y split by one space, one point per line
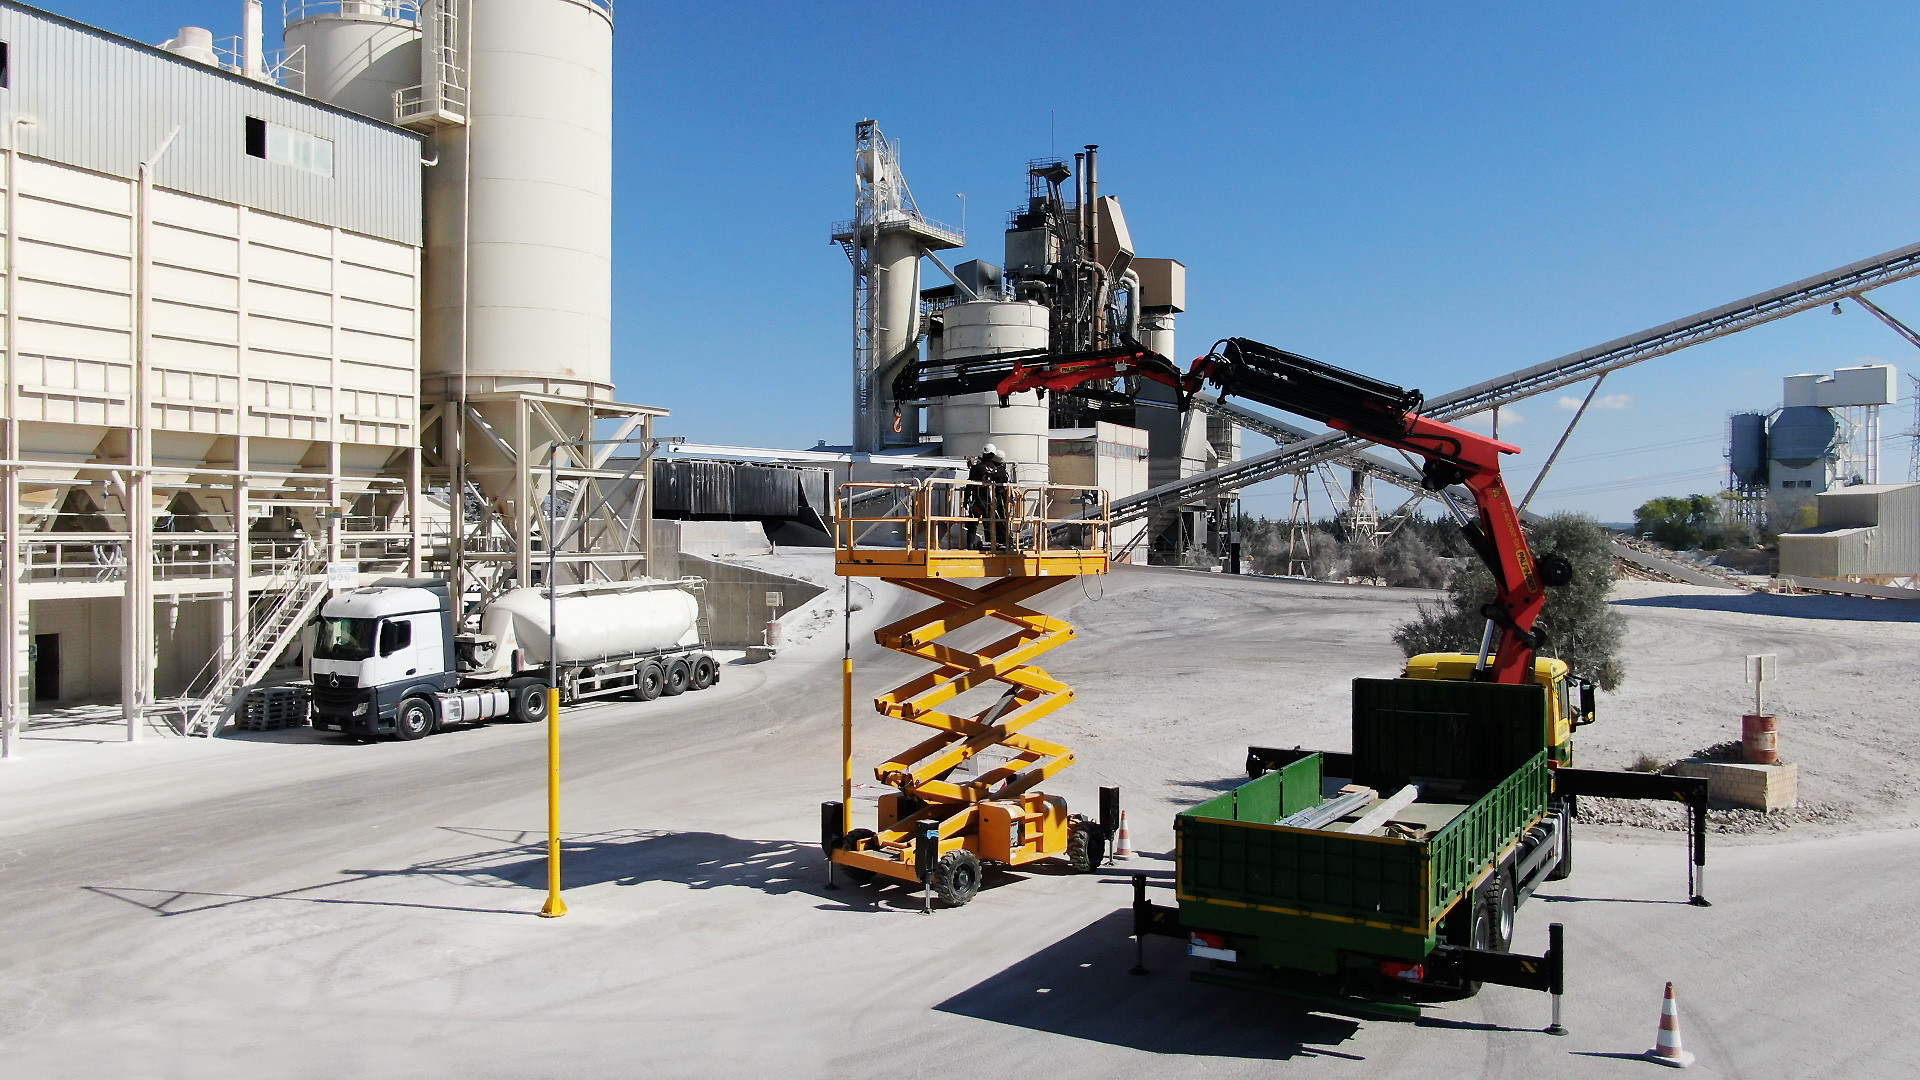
1210 945
1410 972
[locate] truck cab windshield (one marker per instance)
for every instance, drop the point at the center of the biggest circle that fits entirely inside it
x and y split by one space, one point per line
345 639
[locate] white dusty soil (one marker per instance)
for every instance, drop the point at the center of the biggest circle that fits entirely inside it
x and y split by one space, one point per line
293 904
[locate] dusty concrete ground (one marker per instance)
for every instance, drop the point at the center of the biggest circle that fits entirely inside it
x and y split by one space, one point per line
294 905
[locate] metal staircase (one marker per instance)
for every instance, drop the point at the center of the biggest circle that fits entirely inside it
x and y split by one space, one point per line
305 587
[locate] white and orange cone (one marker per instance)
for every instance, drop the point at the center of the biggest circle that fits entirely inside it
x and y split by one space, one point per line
1122 843
1666 1049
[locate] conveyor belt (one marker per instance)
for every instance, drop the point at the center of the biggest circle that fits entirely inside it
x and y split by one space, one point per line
1827 288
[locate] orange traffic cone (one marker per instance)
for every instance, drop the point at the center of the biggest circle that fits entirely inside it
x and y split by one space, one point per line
1123 844
1666 1049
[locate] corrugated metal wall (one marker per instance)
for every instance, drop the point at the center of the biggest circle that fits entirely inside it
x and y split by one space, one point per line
725 489
105 103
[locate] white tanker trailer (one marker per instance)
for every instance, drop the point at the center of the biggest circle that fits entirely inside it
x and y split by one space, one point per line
386 662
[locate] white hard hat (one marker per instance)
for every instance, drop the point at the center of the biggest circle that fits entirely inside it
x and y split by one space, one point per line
990 449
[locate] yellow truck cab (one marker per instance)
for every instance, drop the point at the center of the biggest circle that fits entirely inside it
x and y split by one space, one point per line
1569 697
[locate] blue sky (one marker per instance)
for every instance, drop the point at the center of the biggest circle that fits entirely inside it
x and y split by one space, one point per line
1425 195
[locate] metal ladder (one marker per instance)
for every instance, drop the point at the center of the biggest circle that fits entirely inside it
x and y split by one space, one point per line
304 591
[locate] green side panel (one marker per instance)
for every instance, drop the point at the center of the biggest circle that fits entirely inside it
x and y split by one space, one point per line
1269 798
1406 730
1467 847
1300 785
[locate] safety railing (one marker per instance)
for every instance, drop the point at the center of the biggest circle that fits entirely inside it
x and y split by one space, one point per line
81 558
293 10
962 516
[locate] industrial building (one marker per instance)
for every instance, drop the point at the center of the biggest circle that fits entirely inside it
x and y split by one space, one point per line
1867 534
1071 283
265 313
1825 434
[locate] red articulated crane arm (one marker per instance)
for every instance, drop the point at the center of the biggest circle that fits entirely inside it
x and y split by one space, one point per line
1389 415
1374 410
1007 374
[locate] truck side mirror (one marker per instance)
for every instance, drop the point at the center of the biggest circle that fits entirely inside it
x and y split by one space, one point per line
1586 703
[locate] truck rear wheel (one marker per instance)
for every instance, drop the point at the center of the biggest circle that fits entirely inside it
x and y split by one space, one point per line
648 681
706 671
679 674
1501 901
413 719
1470 924
530 703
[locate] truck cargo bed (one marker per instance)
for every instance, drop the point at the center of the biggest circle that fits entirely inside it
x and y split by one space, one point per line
1300 898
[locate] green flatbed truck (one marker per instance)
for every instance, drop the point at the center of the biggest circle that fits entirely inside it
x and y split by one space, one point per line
1463 797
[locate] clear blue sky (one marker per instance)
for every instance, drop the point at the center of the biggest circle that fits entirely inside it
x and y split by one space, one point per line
1430 196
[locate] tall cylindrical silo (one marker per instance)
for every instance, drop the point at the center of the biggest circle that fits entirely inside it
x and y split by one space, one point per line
1747 449
355 56
896 330
525 206
970 421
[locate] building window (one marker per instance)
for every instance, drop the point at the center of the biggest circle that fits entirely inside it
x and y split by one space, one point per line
6 66
285 146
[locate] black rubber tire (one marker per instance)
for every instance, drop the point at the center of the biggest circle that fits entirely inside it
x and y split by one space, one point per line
1086 844
679 677
413 719
852 842
649 681
956 877
530 703
1564 869
1502 900
706 672
1470 923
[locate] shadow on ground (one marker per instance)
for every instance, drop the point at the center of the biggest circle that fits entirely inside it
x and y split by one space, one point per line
1079 987
517 862
1849 608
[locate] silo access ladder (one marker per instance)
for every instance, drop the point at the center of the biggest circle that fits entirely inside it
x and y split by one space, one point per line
938 538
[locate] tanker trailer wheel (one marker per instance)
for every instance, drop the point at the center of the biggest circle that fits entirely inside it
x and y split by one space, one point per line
413 720
679 675
853 841
648 681
956 877
530 702
706 672
1086 844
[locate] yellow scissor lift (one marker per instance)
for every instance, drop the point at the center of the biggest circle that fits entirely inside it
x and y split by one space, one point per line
939 538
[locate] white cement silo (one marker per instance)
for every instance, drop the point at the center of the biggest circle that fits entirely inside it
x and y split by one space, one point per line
971 421
530 198
354 55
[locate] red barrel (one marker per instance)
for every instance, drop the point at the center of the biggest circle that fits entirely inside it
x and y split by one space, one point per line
1760 740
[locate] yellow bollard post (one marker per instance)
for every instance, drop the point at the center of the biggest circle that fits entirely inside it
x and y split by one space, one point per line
846 746
555 907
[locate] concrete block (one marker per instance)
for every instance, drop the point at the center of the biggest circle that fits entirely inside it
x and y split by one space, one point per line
1755 787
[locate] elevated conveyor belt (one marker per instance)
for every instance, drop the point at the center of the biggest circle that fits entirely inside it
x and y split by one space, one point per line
1813 292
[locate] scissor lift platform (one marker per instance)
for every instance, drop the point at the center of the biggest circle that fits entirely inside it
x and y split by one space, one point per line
936 538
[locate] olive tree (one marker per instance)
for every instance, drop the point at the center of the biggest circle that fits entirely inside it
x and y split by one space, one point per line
1581 628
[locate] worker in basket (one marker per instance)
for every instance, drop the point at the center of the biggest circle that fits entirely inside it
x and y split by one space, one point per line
991 494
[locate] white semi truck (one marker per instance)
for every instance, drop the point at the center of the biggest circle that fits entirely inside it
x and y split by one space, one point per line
387 662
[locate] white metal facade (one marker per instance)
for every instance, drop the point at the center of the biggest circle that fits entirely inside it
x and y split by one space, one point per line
211 360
